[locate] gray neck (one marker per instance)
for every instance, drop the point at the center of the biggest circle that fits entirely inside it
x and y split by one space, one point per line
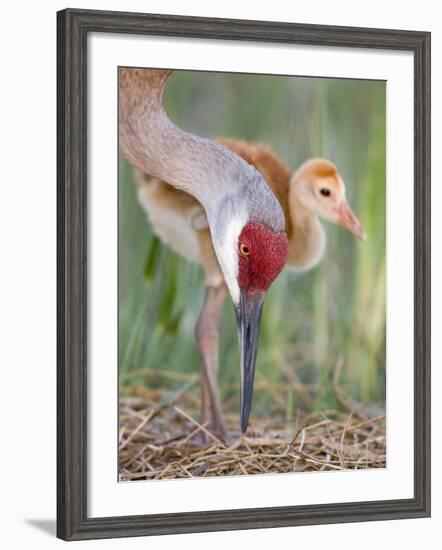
223 182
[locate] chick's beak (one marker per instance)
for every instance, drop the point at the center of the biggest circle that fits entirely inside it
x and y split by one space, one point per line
248 317
348 219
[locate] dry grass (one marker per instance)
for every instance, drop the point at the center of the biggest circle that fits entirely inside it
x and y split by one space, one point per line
161 438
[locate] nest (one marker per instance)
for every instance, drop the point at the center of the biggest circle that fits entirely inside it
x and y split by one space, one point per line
161 438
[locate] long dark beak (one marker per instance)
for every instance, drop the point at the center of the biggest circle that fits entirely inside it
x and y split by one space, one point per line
248 317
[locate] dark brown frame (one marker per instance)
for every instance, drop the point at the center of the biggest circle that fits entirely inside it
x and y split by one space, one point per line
73 27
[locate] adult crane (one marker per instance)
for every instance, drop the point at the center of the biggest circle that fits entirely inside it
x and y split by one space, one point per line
245 219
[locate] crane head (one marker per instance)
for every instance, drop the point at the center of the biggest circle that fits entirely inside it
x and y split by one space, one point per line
321 189
261 257
251 258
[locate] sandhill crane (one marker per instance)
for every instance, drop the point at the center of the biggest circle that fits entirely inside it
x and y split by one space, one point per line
245 219
314 190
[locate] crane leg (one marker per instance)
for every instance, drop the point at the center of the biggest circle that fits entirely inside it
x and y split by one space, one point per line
207 335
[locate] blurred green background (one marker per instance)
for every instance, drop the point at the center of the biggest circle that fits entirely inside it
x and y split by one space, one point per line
321 329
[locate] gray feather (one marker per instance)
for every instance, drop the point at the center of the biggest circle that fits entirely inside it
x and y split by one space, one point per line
222 181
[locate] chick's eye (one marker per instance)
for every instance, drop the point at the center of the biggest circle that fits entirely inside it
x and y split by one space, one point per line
244 249
325 192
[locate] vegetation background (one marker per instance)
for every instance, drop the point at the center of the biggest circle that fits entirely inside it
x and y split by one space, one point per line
320 330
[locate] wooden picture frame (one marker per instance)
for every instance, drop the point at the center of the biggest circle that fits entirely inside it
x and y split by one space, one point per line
73 28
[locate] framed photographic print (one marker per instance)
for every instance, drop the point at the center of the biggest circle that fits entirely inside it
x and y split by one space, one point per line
243 274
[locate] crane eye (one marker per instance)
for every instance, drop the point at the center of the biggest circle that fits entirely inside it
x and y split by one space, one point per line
325 192
244 249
